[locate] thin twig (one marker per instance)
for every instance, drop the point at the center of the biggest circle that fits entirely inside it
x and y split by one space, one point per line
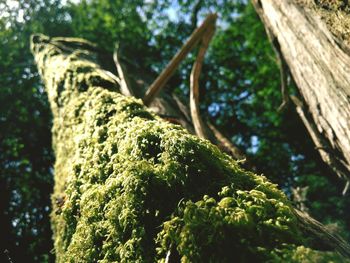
284 73
327 157
162 79
194 84
7 253
226 143
125 87
283 67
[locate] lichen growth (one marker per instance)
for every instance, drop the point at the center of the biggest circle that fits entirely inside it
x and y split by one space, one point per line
336 15
130 187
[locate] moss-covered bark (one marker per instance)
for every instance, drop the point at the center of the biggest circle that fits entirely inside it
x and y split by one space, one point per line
130 187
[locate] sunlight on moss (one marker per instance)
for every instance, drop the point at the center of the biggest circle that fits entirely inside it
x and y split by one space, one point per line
130 187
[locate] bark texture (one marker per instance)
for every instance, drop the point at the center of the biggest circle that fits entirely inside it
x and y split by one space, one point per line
130 187
320 66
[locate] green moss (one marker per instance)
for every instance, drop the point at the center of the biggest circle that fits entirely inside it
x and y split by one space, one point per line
130 187
296 254
230 229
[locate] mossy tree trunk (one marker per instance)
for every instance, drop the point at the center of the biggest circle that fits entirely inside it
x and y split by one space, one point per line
313 39
130 187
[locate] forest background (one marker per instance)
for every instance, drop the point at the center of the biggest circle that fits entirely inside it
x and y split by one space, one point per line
240 93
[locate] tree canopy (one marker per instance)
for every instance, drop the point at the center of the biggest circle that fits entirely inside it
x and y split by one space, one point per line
240 93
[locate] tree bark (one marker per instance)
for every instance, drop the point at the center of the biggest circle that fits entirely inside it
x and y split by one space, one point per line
320 67
130 187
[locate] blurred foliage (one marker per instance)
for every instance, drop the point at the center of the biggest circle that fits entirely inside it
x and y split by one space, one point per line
240 93
25 142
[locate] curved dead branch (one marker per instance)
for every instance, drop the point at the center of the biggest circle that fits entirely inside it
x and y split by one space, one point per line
162 79
125 87
194 84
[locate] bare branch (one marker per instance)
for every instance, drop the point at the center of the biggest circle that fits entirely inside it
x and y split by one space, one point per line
125 87
225 143
194 84
162 79
194 15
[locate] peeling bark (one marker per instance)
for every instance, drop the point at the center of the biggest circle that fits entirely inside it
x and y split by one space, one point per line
320 67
